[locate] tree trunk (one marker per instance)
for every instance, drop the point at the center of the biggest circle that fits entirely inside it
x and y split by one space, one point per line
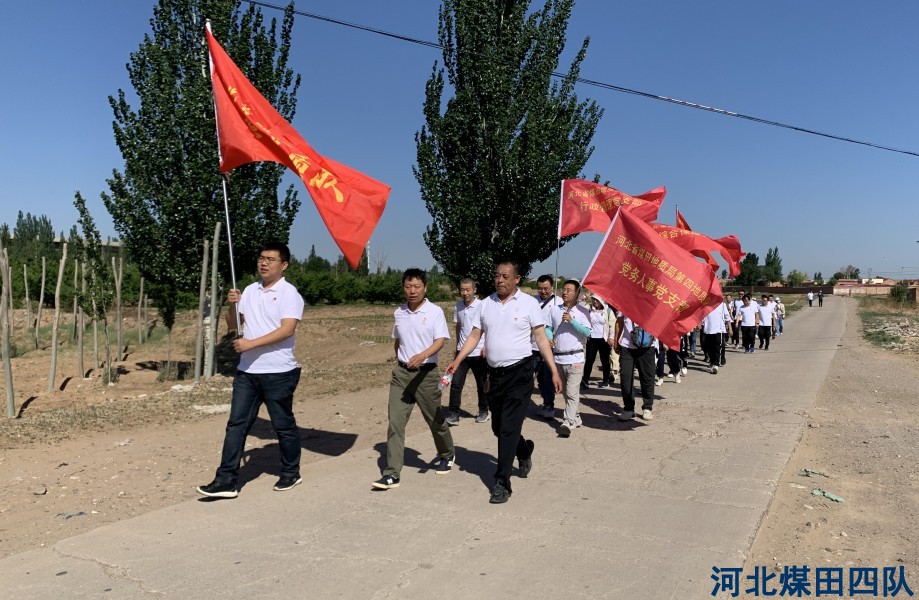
57 317
41 300
76 274
25 279
6 290
81 326
141 325
210 365
95 336
118 271
202 288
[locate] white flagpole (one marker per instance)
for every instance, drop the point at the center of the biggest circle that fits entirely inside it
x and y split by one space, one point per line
558 241
226 205
600 248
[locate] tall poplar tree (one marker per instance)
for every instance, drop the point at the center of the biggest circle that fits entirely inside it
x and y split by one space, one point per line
168 197
491 158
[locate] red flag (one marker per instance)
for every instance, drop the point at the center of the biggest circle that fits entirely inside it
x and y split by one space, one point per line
699 245
654 282
250 129
589 206
694 243
703 254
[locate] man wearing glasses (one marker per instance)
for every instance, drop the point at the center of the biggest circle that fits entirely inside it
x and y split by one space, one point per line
268 311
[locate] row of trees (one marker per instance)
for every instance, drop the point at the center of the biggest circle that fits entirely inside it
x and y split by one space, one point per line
489 157
752 273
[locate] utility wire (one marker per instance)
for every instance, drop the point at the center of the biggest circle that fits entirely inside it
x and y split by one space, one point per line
600 84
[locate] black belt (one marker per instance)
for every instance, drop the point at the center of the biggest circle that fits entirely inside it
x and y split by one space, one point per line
423 367
568 353
508 368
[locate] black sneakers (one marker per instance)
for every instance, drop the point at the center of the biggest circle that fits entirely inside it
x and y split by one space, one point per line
499 494
219 490
286 483
525 465
442 466
386 482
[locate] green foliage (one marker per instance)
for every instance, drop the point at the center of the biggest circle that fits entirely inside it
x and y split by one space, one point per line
900 292
490 158
100 283
772 268
316 264
167 198
750 271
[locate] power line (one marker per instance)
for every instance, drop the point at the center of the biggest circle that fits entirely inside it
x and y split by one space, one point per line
600 84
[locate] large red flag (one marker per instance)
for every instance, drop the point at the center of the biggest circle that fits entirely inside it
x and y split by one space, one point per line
698 244
654 282
701 253
589 206
250 129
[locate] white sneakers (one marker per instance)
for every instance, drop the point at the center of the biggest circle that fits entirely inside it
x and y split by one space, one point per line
714 369
647 415
677 379
626 415
684 370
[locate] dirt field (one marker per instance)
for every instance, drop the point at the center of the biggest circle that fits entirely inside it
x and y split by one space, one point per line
91 454
863 434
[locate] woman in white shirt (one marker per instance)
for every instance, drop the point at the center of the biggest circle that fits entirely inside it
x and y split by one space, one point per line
598 343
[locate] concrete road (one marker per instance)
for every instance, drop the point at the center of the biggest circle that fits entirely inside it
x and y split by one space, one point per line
618 510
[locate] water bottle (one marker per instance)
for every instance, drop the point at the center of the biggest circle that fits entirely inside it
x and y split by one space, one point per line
445 381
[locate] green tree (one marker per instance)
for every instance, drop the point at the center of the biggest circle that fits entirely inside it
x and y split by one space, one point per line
490 158
750 271
772 268
167 199
315 263
795 277
100 283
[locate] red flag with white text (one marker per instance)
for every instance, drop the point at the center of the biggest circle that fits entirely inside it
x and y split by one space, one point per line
250 129
654 282
589 206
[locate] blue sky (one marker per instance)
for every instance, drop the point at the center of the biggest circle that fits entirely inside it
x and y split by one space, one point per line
841 67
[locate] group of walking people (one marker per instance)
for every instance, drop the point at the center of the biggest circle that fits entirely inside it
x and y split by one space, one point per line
503 340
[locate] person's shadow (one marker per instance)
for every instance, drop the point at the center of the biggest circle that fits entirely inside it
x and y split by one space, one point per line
265 460
470 461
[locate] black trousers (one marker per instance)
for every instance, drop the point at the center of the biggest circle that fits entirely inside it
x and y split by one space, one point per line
644 360
597 346
478 367
713 348
765 334
749 336
508 395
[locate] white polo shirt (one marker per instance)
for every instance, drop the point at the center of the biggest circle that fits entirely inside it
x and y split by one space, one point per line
417 330
546 307
747 314
262 309
766 311
466 316
566 337
508 327
714 322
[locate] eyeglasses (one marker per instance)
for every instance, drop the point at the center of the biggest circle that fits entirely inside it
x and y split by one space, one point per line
267 259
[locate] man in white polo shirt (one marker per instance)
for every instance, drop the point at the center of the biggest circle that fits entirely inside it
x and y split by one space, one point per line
269 311
637 352
570 328
466 311
766 322
716 325
420 332
509 320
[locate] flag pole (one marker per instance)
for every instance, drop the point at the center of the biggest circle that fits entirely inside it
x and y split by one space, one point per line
558 238
223 181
